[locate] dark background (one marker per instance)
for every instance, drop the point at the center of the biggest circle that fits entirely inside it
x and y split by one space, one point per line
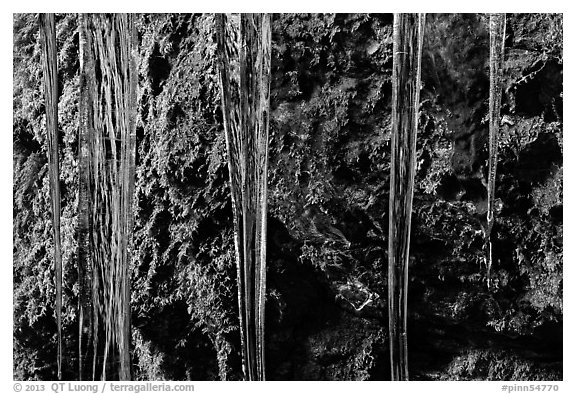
328 203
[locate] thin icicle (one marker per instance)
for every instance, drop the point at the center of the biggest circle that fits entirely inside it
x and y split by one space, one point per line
50 69
85 272
497 37
408 37
244 67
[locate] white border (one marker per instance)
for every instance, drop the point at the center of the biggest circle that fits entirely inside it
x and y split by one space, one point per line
10 6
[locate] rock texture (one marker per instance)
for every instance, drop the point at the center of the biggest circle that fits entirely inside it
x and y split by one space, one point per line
328 202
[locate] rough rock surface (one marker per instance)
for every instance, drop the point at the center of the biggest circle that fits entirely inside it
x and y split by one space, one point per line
328 204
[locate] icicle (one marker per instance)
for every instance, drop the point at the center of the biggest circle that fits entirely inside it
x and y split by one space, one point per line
497 37
245 95
50 69
107 153
408 37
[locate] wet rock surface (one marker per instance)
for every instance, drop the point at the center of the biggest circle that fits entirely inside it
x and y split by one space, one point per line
326 316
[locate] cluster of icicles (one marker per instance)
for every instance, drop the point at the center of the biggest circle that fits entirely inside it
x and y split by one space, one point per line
107 141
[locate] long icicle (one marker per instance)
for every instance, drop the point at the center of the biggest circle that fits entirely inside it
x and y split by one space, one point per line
128 172
262 125
255 60
108 106
497 38
85 269
227 48
50 69
245 96
407 49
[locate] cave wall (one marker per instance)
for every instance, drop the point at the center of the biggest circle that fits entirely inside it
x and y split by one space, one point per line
326 314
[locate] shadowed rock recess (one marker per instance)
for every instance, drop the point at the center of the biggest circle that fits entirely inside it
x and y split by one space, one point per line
329 163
